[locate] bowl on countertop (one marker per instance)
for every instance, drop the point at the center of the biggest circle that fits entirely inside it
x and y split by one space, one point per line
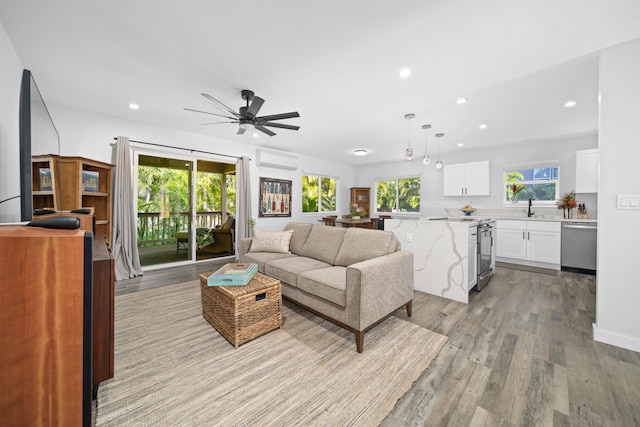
468 210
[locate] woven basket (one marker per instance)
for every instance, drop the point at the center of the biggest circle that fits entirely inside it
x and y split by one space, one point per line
242 313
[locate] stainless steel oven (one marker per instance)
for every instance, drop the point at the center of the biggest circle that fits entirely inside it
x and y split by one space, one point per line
486 262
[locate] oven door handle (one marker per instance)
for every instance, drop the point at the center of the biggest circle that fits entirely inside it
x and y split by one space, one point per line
486 276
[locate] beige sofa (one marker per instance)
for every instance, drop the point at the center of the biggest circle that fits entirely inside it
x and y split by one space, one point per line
353 277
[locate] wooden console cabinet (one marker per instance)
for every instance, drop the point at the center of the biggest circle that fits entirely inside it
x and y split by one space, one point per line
45 313
103 303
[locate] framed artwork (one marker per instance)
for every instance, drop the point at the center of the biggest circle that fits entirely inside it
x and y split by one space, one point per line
275 197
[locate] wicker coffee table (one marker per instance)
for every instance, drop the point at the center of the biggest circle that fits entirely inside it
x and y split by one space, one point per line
242 313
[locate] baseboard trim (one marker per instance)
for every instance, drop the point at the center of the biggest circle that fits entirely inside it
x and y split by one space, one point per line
618 340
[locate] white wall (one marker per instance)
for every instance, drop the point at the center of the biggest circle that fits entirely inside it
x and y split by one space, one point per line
618 284
432 200
90 135
10 78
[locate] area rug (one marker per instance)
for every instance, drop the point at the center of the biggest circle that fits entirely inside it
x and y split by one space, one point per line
172 368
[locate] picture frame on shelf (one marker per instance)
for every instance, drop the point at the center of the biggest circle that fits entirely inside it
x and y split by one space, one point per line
90 181
46 182
275 197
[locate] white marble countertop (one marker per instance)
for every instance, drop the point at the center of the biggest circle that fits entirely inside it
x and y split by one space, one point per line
516 218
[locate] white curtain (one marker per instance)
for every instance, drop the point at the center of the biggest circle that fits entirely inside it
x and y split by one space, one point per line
125 238
243 198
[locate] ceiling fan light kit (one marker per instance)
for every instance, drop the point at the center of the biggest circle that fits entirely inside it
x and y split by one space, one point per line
409 151
247 116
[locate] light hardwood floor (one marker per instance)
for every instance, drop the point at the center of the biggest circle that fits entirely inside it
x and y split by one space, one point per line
520 353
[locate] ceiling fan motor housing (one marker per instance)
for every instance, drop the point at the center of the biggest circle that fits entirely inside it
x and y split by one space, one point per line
247 95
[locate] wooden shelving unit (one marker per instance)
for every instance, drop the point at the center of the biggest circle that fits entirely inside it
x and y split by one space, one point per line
45 198
75 195
360 195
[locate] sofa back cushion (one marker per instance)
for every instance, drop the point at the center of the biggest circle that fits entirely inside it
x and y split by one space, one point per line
361 244
301 232
324 243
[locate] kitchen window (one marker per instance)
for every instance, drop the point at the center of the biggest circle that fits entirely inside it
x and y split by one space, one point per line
538 182
398 195
319 194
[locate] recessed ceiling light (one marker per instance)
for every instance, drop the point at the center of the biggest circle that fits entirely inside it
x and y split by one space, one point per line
483 126
360 152
404 72
255 135
134 106
460 144
570 104
461 100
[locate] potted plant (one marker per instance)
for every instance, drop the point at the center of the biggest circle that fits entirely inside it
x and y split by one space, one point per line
568 202
252 223
356 211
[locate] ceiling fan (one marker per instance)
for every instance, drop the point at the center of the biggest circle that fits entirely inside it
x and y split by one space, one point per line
247 117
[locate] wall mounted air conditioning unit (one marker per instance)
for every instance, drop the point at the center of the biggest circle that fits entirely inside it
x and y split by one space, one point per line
276 160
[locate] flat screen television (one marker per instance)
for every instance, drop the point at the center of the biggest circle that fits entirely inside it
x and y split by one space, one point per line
38 135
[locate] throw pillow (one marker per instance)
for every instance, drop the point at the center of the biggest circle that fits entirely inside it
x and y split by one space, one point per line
271 241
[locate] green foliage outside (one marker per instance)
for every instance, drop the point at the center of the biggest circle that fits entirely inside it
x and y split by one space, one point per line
166 191
542 191
409 194
402 195
326 191
309 193
386 196
328 195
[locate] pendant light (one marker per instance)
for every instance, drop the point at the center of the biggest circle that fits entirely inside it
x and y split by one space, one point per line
439 164
426 159
409 152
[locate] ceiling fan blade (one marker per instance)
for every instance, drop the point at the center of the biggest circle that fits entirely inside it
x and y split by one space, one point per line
220 123
240 131
278 125
220 104
255 106
279 116
206 112
265 130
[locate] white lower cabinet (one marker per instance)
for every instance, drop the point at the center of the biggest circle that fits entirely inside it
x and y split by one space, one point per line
535 243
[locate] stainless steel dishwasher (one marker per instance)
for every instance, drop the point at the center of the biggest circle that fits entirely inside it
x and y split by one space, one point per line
579 247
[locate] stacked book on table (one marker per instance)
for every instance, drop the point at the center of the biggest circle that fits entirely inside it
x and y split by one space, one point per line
234 274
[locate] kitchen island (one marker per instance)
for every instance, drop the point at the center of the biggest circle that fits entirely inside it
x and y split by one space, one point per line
444 254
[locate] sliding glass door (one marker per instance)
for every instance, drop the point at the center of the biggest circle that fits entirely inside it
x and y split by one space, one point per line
186 209
164 209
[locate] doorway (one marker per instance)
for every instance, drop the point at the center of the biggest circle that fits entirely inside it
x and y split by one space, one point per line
180 211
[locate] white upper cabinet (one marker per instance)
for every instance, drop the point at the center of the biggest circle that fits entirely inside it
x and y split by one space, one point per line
468 179
587 171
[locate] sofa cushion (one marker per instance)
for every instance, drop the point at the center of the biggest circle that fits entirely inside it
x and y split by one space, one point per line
271 241
288 269
324 243
301 232
361 244
261 258
327 283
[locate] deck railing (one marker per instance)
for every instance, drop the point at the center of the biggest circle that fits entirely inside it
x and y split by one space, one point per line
154 228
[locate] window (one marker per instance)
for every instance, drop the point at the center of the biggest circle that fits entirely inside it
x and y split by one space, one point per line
318 194
538 182
399 195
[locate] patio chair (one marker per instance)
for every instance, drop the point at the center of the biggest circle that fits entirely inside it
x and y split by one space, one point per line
223 238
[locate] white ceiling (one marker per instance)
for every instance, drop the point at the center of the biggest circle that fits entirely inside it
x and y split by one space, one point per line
333 61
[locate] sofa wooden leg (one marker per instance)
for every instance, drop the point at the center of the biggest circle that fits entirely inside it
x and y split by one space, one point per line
359 341
408 306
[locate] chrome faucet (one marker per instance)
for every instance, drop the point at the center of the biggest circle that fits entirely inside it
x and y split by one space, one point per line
529 213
